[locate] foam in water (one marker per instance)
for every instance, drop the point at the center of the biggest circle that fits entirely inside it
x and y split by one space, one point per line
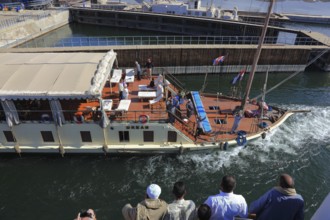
290 138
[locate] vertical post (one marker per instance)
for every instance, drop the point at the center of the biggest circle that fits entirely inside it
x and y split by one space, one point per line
256 57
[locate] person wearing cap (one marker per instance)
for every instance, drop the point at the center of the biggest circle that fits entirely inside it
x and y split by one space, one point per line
226 205
150 208
281 202
180 209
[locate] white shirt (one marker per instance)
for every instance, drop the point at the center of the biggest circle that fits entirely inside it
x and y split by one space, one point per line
225 206
121 86
125 93
181 210
138 67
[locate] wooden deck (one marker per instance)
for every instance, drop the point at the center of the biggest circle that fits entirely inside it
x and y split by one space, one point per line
157 113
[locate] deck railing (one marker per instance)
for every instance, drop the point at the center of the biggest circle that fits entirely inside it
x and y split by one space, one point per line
17 19
160 40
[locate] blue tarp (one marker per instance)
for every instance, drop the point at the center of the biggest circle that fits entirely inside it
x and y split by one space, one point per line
201 112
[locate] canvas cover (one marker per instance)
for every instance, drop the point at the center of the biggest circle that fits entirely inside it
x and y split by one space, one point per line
54 75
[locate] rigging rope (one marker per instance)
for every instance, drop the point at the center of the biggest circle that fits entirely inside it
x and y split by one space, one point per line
294 74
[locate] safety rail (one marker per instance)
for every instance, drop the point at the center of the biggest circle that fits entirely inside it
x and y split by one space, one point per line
5 23
172 79
162 40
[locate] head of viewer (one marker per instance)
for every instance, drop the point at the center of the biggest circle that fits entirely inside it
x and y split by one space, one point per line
228 184
179 189
153 191
204 212
286 181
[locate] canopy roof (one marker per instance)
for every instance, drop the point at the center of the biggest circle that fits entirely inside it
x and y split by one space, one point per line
53 75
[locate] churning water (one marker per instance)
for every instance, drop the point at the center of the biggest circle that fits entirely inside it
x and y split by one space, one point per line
51 187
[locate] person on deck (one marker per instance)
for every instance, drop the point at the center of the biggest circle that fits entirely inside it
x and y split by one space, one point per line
150 208
226 205
138 70
152 83
199 129
190 108
125 92
180 209
237 120
121 88
149 67
169 107
281 202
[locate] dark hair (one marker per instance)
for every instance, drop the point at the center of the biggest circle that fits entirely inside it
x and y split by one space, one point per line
179 189
228 184
286 181
86 214
204 212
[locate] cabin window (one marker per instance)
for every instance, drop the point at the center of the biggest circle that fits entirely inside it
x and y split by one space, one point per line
197 13
9 136
204 14
47 136
86 136
148 136
123 136
189 12
172 136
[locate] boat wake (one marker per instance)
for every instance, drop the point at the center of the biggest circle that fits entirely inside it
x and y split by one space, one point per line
301 136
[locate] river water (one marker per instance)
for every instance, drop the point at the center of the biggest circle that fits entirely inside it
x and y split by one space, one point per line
51 187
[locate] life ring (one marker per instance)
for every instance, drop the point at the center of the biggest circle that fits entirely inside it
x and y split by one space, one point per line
143 119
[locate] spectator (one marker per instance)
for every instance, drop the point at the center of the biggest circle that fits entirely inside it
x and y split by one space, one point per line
281 202
226 205
138 70
150 208
149 67
180 209
204 212
86 215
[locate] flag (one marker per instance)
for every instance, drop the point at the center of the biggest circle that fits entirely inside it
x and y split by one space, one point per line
218 60
239 77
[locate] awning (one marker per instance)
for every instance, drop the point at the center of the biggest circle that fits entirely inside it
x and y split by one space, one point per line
54 75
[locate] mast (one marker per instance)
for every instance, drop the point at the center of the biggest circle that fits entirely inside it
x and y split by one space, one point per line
257 55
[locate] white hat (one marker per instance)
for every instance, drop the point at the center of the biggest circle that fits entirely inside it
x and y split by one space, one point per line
154 191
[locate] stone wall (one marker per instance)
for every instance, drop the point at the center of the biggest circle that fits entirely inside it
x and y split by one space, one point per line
32 27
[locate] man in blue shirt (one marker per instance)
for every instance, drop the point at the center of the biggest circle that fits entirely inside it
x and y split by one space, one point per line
226 205
281 202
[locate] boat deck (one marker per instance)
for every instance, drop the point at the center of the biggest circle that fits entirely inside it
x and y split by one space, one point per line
218 109
137 109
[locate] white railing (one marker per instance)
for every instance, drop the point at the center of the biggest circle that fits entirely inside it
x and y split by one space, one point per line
38 15
163 40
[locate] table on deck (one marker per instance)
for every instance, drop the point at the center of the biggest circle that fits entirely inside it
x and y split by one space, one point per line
107 104
116 76
147 94
129 75
146 88
123 105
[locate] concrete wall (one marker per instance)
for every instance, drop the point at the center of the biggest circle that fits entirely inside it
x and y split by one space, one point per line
31 28
198 58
